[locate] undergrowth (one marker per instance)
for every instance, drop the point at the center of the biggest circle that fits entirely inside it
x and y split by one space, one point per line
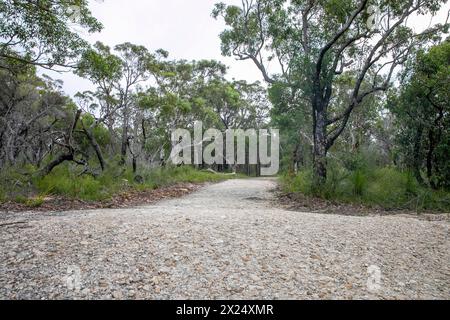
25 187
387 188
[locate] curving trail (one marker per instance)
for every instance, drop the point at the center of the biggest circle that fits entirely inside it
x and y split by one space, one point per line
226 241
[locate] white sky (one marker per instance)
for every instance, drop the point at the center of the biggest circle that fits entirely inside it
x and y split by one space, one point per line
185 28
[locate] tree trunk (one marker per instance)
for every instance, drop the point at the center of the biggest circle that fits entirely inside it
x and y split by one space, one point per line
430 159
417 161
134 165
70 156
320 148
48 168
124 144
96 147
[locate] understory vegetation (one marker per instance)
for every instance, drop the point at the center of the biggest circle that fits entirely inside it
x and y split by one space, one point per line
23 186
387 188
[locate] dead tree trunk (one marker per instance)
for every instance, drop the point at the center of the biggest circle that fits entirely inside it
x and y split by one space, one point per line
60 159
95 145
124 143
70 155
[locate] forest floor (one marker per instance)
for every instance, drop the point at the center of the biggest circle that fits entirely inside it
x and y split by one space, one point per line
231 240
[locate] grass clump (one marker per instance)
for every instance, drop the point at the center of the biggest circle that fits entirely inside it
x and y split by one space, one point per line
62 181
35 202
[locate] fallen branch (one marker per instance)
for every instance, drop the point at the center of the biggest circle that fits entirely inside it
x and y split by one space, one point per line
12 223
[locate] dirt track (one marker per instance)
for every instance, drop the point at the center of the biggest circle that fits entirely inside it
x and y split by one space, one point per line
224 241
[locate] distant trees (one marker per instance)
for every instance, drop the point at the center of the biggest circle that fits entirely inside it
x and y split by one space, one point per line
315 43
116 76
198 91
141 97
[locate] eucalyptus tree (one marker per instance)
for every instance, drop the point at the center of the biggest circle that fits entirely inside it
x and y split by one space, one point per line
176 101
118 75
31 109
44 33
315 41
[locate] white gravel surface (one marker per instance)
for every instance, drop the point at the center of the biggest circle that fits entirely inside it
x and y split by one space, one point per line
226 241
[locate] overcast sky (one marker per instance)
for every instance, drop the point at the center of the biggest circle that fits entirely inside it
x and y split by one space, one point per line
185 28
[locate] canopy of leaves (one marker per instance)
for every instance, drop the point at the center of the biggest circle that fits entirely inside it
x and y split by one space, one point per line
44 32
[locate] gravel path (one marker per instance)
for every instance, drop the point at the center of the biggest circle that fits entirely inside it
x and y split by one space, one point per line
225 241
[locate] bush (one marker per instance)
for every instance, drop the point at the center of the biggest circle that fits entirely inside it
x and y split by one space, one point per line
65 181
388 188
359 182
300 183
15 181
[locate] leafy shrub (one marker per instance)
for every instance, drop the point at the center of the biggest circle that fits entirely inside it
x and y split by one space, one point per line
15 181
388 188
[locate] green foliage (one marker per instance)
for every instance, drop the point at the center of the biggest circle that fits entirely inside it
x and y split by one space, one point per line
41 32
35 202
300 183
64 181
15 186
15 181
21 199
325 69
387 188
359 182
421 108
